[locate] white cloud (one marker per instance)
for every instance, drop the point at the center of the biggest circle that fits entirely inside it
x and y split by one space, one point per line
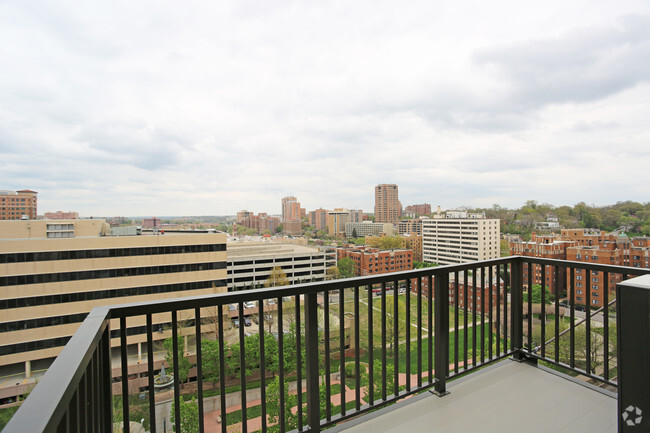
157 108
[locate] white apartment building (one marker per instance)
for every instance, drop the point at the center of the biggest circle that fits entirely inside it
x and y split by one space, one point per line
458 240
367 228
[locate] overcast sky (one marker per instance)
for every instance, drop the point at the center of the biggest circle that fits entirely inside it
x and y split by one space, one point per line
206 108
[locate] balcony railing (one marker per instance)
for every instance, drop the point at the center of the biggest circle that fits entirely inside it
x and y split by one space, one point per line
382 337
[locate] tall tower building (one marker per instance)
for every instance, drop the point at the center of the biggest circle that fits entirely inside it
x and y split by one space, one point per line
387 206
290 209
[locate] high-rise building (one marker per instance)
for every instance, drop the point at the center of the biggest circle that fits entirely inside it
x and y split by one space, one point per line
318 219
387 206
291 209
52 273
356 215
336 221
18 205
460 239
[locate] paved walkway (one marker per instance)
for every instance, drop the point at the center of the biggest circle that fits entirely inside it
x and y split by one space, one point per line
212 420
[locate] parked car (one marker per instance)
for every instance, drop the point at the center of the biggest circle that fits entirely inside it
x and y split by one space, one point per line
247 321
232 307
249 304
235 322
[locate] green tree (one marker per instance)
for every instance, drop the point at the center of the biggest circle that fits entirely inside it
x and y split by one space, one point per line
184 364
273 409
333 273
276 278
422 265
346 267
390 319
377 380
386 242
189 416
210 360
354 233
536 294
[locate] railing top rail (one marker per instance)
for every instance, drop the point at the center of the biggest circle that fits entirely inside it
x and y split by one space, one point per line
629 270
47 404
202 301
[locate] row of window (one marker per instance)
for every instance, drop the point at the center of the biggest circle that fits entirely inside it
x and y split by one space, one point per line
34 345
46 256
18 280
42 322
105 294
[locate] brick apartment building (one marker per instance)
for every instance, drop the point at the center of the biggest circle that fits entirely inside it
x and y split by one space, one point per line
587 246
17 205
373 261
60 215
291 209
419 209
150 223
318 218
260 222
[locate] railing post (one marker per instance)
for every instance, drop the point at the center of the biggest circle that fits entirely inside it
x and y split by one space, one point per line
633 336
311 355
441 329
516 307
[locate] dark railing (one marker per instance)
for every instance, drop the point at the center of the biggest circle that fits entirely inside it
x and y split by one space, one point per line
310 334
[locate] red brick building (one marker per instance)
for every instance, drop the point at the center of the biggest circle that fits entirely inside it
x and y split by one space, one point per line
59 215
260 222
419 209
150 223
17 205
373 261
547 247
318 218
587 246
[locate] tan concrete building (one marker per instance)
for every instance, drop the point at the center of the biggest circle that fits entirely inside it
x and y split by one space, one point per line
17 205
336 221
52 273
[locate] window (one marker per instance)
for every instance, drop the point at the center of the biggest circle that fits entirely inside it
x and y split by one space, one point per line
579 277
594 301
594 294
579 298
595 287
579 292
594 279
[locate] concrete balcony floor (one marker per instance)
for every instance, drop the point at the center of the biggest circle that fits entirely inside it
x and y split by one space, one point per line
507 397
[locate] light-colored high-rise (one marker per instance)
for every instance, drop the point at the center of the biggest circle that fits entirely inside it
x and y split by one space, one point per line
458 240
387 206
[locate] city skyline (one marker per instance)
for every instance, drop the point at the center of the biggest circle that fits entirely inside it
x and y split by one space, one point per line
123 109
